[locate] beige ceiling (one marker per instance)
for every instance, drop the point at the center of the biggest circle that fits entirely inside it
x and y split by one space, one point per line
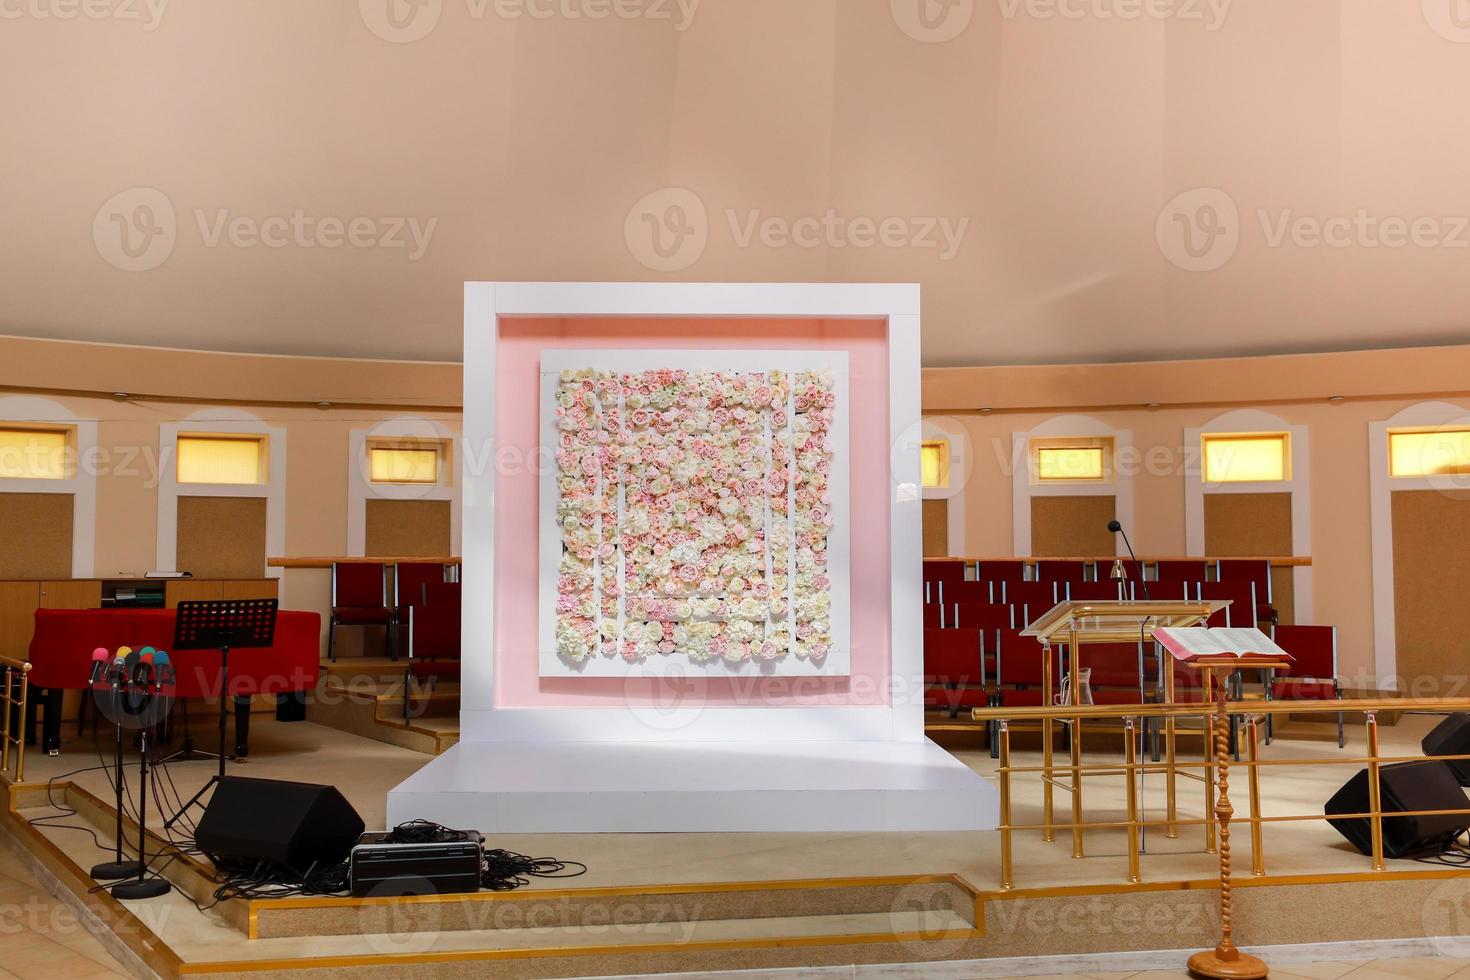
535 139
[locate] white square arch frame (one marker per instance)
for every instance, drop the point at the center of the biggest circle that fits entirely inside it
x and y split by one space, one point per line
899 718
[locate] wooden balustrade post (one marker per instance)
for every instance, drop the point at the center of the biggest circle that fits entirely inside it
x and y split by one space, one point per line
1007 881
1225 961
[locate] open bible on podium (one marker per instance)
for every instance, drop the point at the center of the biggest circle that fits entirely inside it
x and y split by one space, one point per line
1070 626
1219 653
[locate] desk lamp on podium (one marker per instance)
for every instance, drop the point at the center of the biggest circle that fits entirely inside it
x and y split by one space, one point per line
222 625
1219 653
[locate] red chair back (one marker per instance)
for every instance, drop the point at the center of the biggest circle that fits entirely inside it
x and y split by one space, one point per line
1181 571
982 615
1104 591
1063 571
996 571
1040 596
359 585
936 616
412 579
943 570
1119 665
971 592
1242 609
1255 571
953 656
433 625
1313 650
1020 660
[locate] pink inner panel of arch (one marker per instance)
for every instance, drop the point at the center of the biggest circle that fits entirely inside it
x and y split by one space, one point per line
517 379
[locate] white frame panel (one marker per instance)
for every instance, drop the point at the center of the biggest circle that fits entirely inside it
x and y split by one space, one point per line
1299 486
231 422
901 719
21 410
1380 506
1024 486
360 489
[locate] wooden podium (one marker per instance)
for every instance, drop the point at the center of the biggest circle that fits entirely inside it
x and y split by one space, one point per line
1219 653
1072 625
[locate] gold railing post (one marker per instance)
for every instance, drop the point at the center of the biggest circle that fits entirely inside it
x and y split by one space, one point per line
1131 773
5 725
1048 832
1007 881
1171 802
1258 855
1375 800
1074 662
20 741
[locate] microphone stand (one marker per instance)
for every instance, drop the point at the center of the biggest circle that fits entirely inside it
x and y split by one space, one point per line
142 886
118 868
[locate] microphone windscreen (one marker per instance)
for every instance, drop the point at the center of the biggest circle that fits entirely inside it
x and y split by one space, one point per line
160 656
131 660
1114 526
146 651
99 654
122 652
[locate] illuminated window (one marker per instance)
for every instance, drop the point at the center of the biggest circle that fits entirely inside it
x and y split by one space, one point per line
221 459
1429 452
404 463
1258 457
935 463
35 454
1072 460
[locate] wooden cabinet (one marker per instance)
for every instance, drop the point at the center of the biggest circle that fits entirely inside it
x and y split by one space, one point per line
18 602
75 594
199 589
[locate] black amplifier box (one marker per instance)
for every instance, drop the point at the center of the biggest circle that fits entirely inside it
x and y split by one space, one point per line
382 867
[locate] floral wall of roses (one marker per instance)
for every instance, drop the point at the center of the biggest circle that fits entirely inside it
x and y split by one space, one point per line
694 510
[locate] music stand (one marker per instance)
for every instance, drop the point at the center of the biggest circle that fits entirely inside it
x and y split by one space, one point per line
222 625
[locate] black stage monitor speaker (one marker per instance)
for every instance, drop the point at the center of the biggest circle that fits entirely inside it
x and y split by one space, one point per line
289 825
1451 737
1407 786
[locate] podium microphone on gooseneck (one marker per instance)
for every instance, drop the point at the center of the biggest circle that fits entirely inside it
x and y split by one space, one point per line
1117 528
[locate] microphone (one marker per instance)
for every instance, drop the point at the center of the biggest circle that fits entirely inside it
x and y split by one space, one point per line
99 665
1117 528
164 668
143 670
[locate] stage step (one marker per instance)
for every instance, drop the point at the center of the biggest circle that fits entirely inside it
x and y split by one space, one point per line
370 713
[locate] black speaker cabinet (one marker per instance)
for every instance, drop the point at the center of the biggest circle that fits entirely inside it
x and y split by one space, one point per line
289 825
1407 786
1451 737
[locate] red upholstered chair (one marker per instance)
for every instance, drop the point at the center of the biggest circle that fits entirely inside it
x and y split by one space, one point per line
983 615
1257 571
954 669
359 598
1018 669
941 570
1312 675
1122 673
433 637
411 582
1242 609
936 615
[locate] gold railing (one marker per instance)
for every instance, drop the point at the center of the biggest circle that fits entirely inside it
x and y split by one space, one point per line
1131 767
14 695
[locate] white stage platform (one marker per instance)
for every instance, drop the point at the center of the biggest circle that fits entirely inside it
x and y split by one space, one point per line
704 787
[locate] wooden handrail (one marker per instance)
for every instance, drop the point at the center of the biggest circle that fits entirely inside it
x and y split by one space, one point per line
1177 710
1280 561
328 562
